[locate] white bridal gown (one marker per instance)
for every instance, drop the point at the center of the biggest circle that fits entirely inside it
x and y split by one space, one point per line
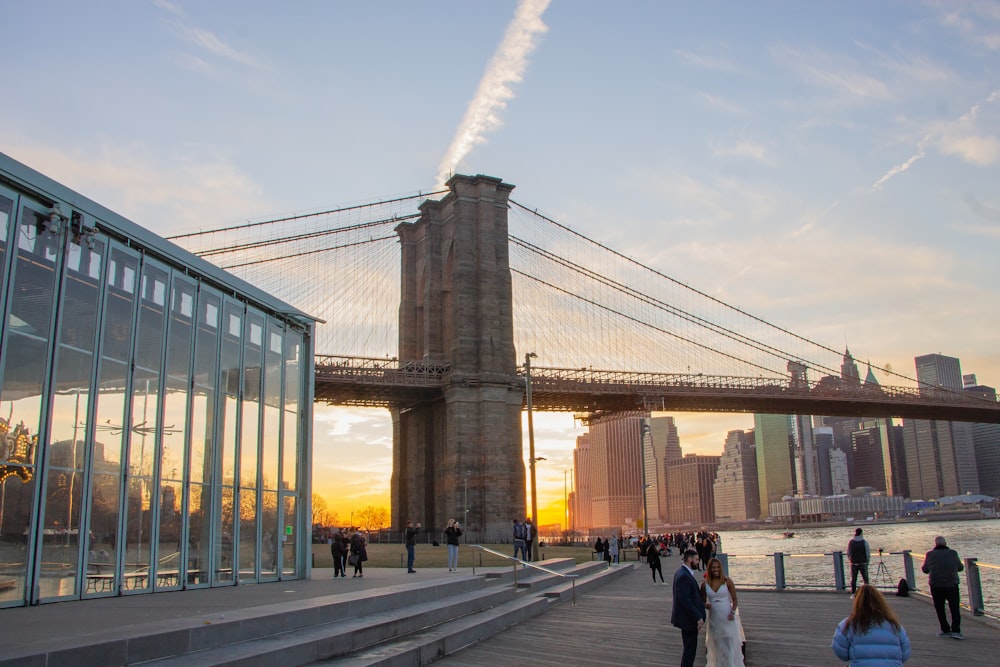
724 638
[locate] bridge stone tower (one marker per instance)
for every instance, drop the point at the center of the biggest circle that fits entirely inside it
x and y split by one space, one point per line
463 451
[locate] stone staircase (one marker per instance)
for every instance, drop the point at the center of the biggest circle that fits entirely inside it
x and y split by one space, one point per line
404 624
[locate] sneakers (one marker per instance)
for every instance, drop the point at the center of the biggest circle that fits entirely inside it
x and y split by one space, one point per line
957 635
946 634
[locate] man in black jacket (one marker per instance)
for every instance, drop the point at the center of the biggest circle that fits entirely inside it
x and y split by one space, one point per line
943 565
411 541
688 612
859 553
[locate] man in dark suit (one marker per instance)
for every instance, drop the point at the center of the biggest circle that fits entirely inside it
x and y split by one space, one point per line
689 609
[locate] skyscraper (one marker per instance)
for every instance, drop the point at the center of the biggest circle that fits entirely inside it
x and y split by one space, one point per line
986 440
664 446
773 439
616 470
869 465
583 516
737 495
940 455
689 489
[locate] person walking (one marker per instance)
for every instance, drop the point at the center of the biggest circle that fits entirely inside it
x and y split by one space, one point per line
688 611
871 636
451 534
359 553
338 549
724 631
942 566
653 560
411 540
858 553
530 535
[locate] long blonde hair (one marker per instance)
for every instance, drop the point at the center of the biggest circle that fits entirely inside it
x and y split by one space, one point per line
870 609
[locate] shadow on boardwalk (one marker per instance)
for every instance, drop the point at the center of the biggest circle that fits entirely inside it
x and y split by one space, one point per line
627 622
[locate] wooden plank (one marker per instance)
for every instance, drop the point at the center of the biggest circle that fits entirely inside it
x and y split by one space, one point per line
627 622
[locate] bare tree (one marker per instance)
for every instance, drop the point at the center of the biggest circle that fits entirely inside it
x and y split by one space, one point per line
372 518
322 515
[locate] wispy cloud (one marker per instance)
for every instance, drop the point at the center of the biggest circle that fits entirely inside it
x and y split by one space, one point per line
838 75
707 62
744 149
210 42
505 68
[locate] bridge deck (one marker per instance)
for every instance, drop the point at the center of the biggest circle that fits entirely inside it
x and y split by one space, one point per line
627 622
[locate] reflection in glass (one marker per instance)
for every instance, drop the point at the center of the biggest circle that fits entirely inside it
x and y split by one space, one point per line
224 541
270 535
199 535
289 561
290 440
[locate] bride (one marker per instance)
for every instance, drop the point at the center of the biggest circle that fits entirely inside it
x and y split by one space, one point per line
724 637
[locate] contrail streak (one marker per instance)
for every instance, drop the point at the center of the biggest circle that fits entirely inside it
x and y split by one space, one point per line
506 67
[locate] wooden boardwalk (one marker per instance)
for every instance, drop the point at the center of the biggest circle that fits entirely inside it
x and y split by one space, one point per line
627 622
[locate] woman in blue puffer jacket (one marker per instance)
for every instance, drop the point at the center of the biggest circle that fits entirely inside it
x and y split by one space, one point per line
871 636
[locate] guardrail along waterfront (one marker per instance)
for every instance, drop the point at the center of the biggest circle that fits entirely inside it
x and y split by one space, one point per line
831 571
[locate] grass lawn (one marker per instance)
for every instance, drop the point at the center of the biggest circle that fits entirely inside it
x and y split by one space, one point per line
394 555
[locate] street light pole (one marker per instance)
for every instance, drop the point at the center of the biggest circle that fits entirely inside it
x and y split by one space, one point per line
531 452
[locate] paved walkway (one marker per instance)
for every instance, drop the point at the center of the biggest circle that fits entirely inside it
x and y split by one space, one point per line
627 622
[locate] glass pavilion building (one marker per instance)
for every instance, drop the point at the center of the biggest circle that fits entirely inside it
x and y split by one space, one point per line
155 411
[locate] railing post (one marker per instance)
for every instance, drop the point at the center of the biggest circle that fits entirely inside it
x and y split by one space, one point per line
911 577
779 570
975 587
839 581
724 559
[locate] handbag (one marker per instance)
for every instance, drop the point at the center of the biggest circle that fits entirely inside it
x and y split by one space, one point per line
354 559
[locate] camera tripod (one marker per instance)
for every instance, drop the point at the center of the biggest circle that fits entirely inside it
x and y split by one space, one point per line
881 578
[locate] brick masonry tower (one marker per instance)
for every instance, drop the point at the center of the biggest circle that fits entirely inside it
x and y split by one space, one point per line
456 308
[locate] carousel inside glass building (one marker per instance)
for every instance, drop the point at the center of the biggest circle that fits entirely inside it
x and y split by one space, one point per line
155 411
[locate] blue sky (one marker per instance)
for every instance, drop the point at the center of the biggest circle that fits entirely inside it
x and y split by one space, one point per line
830 166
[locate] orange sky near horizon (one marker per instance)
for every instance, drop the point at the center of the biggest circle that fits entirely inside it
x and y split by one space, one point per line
352 455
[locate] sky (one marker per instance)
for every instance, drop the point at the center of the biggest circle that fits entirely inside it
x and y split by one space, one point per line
831 167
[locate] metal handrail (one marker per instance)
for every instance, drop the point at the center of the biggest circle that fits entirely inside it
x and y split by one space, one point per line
524 563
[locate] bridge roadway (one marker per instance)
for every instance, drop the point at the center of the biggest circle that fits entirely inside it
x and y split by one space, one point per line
627 622
388 382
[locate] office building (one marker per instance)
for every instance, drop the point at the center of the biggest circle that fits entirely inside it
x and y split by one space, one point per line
940 455
616 470
773 444
690 492
664 446
582 499
986 441
737 496
156 410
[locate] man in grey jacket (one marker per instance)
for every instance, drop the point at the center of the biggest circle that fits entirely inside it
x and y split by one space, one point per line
943 565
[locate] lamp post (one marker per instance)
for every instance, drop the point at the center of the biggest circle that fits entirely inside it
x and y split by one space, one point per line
465 531
531 451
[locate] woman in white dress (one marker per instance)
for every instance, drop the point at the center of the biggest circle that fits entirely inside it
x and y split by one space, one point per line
724 637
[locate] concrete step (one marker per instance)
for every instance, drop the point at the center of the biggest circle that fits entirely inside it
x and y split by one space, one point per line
432 644
145 643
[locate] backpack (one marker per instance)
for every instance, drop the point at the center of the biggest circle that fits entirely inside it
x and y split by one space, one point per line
903 589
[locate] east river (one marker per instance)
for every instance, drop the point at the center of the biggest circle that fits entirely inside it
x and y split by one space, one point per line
752 562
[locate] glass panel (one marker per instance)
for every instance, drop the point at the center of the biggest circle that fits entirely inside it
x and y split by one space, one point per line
180 338
230 360
6 207
206 366
290 440
138 522
270 533
26 349
271 435
251 400
199 534
168 546
248 533
118 307
289 562
60 535
224 546
103 532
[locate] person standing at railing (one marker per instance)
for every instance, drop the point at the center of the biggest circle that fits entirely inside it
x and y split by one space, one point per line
859 553
411 541
942 566
871 636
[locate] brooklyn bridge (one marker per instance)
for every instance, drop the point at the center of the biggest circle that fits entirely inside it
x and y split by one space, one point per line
434 305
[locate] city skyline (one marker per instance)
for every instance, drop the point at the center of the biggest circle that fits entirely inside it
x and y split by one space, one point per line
828 168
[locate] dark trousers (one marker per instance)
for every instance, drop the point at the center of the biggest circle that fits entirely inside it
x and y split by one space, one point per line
690 639
654 570
855 568
409 557
338 565
947 594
